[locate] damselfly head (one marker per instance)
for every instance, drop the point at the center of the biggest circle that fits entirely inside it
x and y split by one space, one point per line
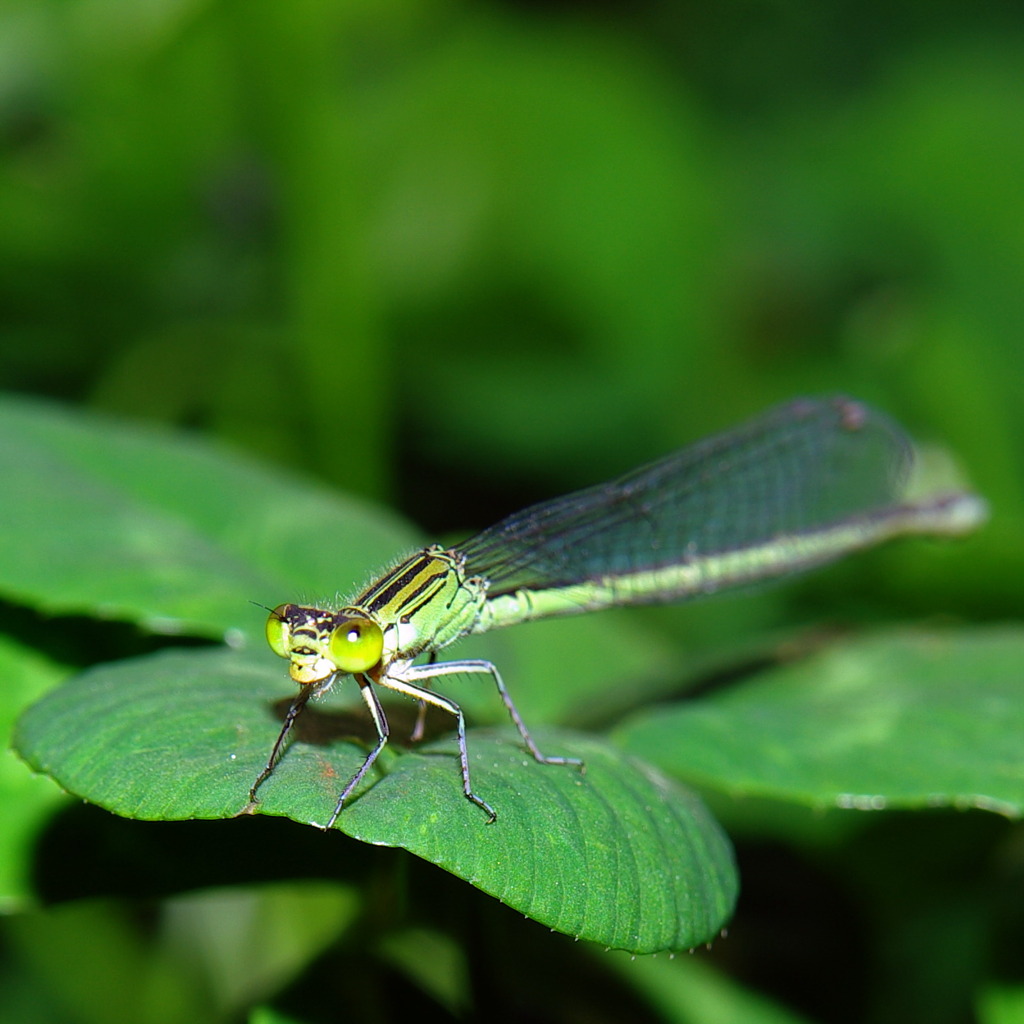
302 635
319 644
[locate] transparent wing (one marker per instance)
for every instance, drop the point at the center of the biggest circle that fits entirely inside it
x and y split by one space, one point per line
801 469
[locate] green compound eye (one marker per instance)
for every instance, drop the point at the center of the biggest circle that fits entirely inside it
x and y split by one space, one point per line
356 645
278 631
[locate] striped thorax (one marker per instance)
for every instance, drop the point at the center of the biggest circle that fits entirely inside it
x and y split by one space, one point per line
424 603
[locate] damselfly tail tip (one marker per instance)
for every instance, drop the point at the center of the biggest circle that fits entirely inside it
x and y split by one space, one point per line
953 514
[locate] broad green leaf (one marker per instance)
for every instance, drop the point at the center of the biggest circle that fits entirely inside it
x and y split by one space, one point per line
176 735
124 521
903 719
617 854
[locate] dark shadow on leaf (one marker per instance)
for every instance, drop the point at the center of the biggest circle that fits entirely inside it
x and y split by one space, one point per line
321 726
84 640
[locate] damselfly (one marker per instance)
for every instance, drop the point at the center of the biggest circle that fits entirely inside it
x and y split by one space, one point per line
803 484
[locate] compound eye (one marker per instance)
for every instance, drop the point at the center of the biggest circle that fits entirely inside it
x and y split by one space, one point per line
356 645
279 631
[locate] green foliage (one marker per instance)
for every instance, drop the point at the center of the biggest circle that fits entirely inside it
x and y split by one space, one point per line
618 855
909 719
447 258
27 799
168 534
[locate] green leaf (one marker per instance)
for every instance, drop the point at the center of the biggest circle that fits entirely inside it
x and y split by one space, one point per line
175 735
617 854
691 991
124 521
26 799
902 719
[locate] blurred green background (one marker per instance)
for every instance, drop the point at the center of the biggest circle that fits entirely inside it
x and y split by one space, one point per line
456 257
446 254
